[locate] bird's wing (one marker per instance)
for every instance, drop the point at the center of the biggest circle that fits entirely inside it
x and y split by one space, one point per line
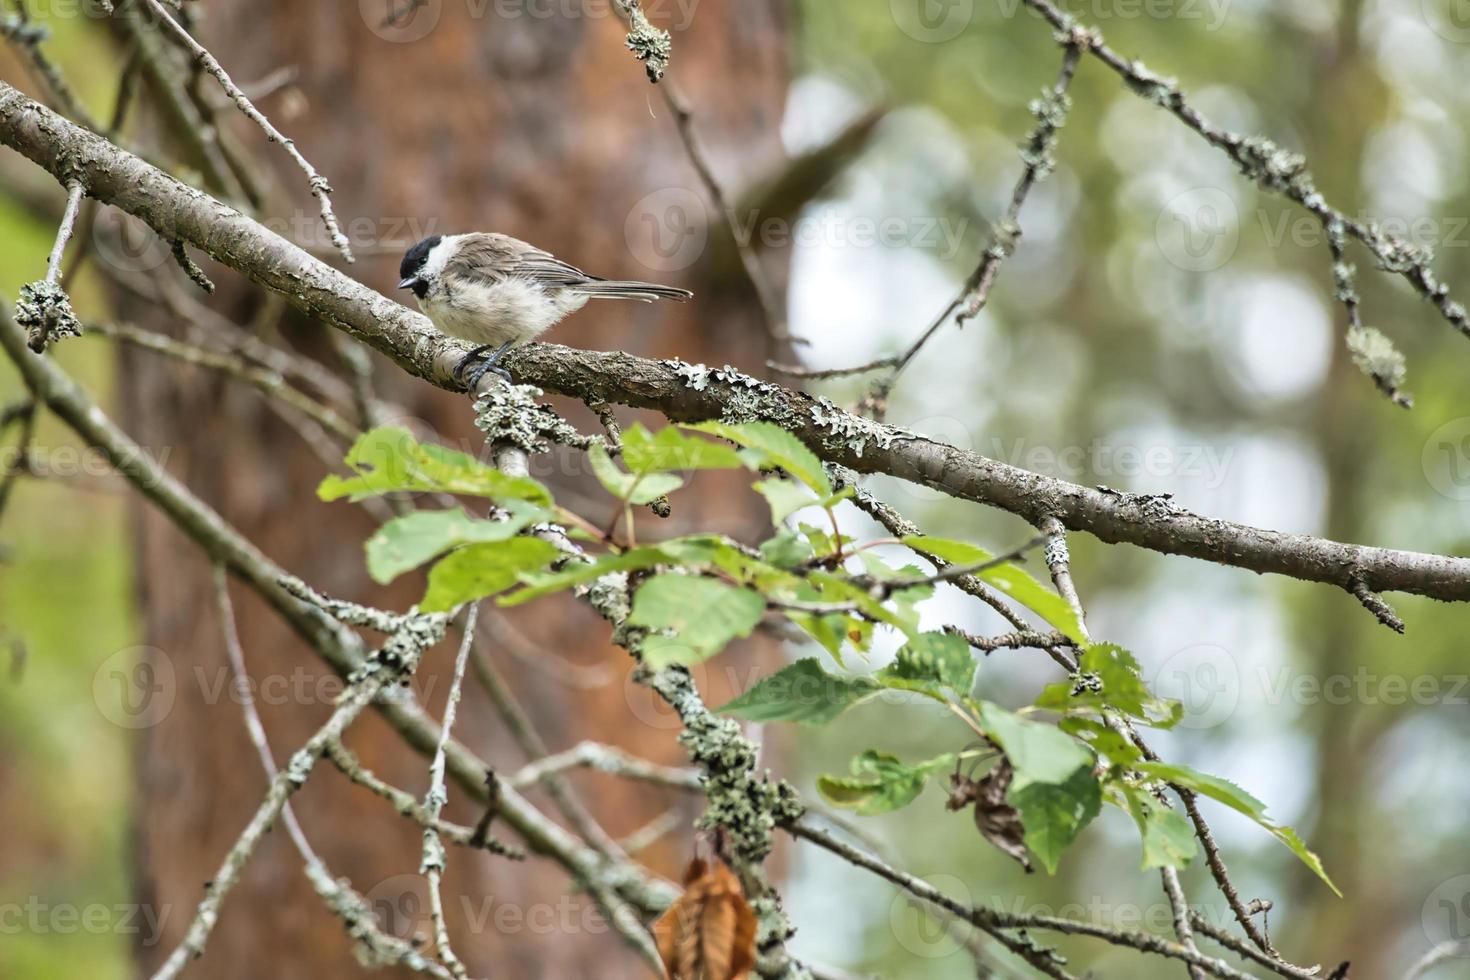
494 258
545 268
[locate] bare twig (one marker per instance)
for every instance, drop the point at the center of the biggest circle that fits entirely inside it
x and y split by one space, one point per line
605 758
1051 113
20 30
1273 169
777 334
267 381
432 866
1001 924
25 413
339 896
524 731
1439 954
320 189
44 308
407 643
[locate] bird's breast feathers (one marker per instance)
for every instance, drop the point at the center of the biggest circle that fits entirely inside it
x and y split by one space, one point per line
511 309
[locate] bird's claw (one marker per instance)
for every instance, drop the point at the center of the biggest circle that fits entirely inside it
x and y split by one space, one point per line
472 381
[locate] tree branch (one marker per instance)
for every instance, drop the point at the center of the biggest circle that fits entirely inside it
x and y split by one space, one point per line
686 392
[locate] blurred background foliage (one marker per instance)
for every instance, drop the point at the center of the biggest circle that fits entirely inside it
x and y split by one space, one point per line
1106 356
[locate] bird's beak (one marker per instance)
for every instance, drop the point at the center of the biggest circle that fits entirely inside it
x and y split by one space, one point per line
409 283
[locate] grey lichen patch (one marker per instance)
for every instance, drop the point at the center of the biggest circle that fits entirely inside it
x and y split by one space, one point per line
1274 168
609 595
744 806
44 309
434 858
510 414
649 44
1155 88
373 948
27 33
1152 506
1377 357
299 768
854 431
772 931
1399 256
695 376
1056 552
734 376
1050 111
399 655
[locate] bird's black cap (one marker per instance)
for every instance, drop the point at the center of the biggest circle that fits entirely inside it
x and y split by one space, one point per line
413 259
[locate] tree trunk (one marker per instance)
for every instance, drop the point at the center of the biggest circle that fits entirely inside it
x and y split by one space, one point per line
528 119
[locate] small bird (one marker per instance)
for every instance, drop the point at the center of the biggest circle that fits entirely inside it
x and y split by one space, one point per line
496 292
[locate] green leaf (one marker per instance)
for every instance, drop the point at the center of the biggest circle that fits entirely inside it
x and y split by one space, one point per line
702 614
774 446
1239 800
407 542
391 460
580 572
1055 813
634 489
479 570
1010 579
880 782
802 692
670 449
1123 689
937 659
786 550
786 497
1040 753
1120 753
834 630
1168 838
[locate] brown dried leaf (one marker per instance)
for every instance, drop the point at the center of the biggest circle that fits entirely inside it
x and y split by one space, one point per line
997 820
709 931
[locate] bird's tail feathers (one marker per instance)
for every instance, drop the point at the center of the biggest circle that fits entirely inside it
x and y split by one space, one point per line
645 292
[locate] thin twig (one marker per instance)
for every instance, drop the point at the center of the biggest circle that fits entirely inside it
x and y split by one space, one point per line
409 806
605 758
1036 155
1272 169
340 897
524 731
777 333
320 189
1439 954
1000 923
27 415
27 35
267 381
432 866
407 644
